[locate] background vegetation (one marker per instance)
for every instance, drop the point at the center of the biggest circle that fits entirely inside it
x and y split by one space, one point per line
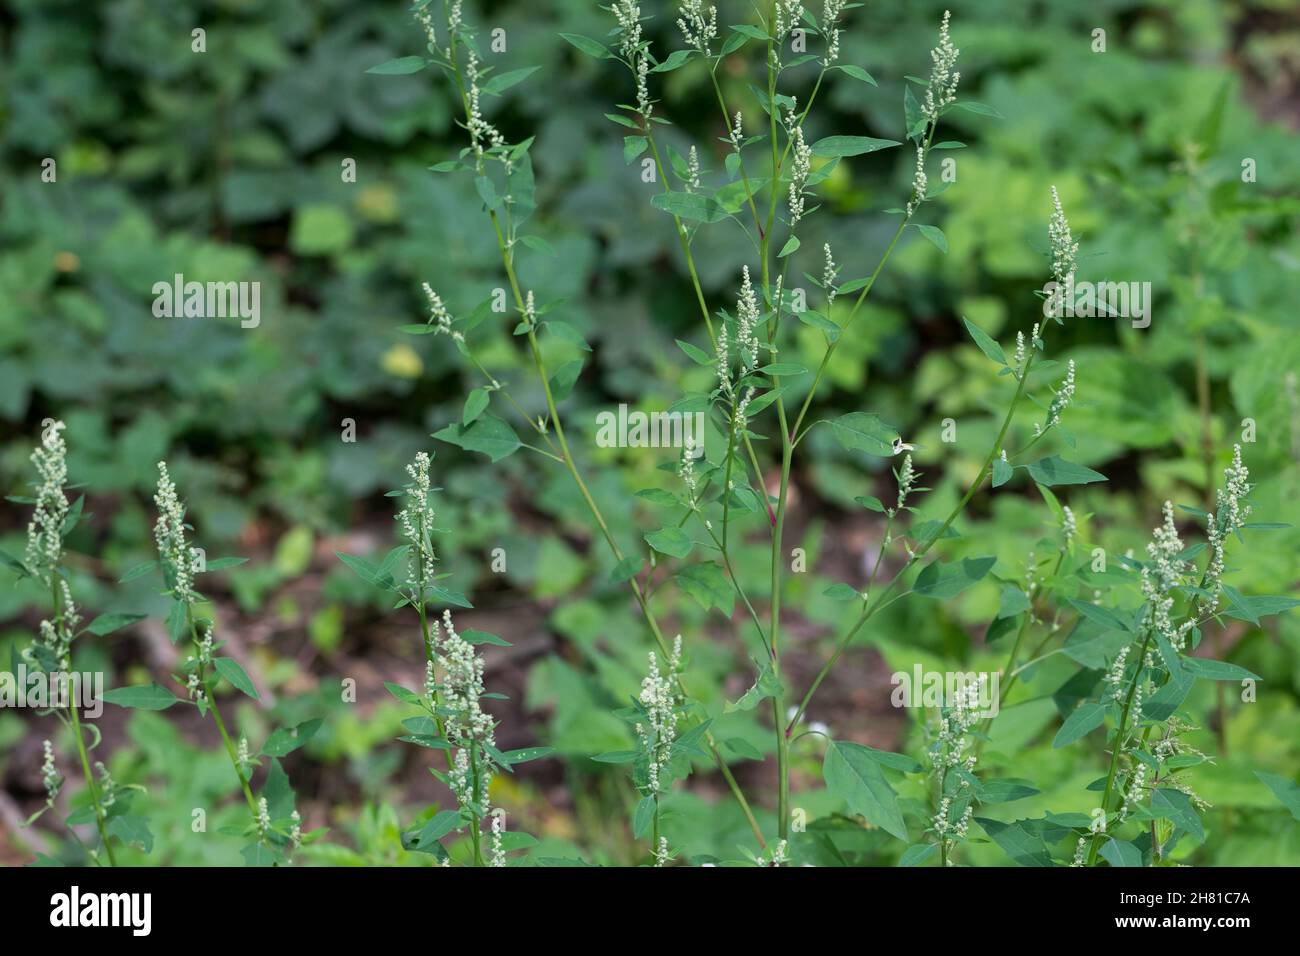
226 165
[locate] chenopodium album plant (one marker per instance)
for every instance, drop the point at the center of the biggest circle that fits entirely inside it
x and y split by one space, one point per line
768 179
274 825
109 805
453 720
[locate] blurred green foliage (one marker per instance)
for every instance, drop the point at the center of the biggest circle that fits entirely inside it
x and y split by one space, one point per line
226 165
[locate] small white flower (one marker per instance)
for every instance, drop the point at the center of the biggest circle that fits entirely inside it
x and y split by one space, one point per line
1064 248
919 183
263 816
45 531
1068 526
697 30
50 775
942 88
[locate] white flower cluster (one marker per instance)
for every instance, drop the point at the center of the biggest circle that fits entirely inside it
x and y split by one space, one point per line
263 817
50 775
480 130
1115 676
1162 576
634 52
942 88
789 13
919 183
45 531
686 471
1020 351
1134 794
498 842
907 476
1232 511
169 534
1062 397
416 521
660 701
736 135
439 315
425 20
747 319
661 852
56 636
801 166
1068 526
830 272
944 826
462 686
697 31
295 830
780 854
831 11
242 756
106 785
1064 248
952 741
693 170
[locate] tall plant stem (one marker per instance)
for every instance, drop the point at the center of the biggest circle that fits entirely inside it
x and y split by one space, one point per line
92 785
216 717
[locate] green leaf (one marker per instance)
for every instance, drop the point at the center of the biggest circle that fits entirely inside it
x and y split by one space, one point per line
1285 790
139 571
695 353
108 623
565 377
627 569
1085 718
791 245
367 571
743 748
1208 669
857 72
288 739
1024 848
132 829
851 145
229 668
765 686
1002 471
525 754
936 236
675 59
474 637
861 431
842 592
587 46
1013 601
634 146
402 66
694 207
644 816
943 581
401 693
1100 615
872 502
1055 470
708 584
1006 790
503 81
476 402
142 697
220 564
488 435
855 777
1177 806
617 756
671 541
988 346
918 853
1121 853
437 827
487 191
